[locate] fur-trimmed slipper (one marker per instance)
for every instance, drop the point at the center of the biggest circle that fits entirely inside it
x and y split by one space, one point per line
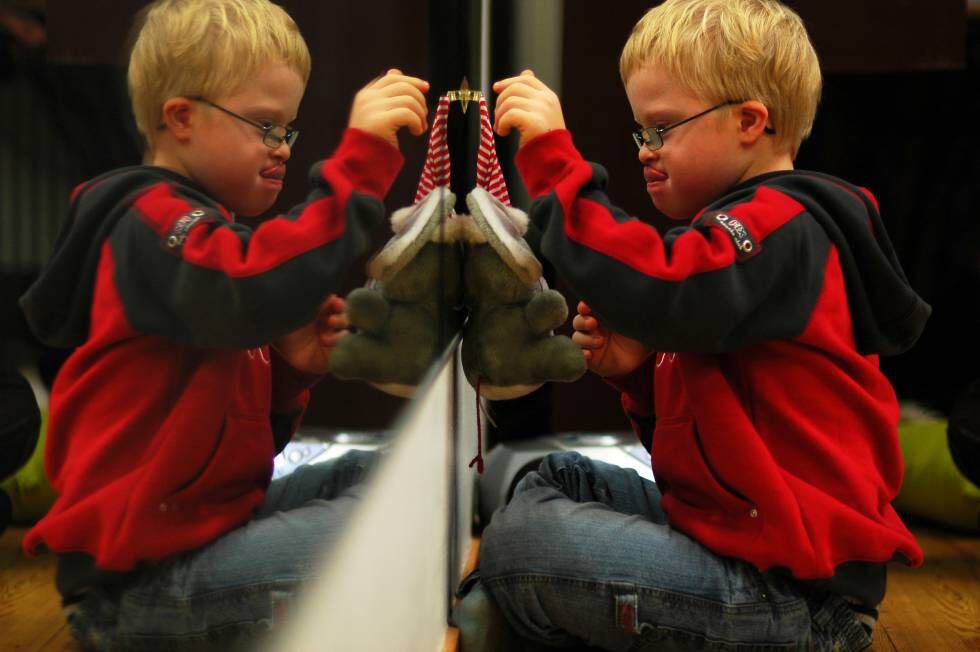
405 316
509 348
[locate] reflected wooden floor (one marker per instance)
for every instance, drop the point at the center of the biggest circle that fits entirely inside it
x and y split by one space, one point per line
933 608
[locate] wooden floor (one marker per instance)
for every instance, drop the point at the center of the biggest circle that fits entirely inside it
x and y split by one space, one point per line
937 606
30 614
933 608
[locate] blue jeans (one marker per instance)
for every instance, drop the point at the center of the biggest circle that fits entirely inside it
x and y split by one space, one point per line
231 593
583 554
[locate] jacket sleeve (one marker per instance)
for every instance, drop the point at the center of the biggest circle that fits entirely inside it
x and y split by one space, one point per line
186 271
744 272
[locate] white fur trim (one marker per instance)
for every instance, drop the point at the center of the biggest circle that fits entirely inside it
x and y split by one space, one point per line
469 231
414 226
504 228
499 393
396 389
450 231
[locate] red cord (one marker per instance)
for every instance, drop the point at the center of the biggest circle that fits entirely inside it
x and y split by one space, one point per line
478 460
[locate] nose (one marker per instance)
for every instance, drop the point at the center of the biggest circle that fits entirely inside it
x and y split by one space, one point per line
282 152
646 155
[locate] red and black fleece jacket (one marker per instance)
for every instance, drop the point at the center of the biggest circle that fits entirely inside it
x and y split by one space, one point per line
165 419
186 270
749 268
771 427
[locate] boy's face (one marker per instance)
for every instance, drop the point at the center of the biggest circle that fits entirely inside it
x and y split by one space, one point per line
228 156
699 160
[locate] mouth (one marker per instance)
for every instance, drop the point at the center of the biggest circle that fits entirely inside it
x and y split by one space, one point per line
653 177
275 173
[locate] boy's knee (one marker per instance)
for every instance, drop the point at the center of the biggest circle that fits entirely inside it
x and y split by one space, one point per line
554 464
513 533
550 471
363 459
337 475
356 464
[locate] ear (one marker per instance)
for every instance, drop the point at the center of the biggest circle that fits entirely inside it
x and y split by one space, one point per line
179 116
752 119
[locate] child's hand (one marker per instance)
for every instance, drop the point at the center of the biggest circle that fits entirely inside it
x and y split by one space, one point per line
308 349
527 105
606 353
389 103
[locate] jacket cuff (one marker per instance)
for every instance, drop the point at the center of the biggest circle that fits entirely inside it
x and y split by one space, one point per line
547 159
370 163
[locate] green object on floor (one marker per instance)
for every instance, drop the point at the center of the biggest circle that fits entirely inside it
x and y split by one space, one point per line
30 493
933 488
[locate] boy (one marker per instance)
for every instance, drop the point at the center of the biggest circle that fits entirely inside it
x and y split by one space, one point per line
166 418
745 344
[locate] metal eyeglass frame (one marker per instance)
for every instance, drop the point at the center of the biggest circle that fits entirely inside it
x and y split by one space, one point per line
272 135
653 137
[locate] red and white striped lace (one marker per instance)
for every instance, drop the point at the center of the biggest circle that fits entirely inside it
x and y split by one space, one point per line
489 176
436 171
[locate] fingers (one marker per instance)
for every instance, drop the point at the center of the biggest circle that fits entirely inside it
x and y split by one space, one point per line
512 101
389 103
526 77
588 341
526 104
403 89
513 119
523 106
333 304
522 89
406 117
587 324
395 76
332 330
332 316
335 322
330 339
401 96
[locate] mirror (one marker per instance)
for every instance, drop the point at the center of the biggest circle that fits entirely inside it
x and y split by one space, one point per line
69 118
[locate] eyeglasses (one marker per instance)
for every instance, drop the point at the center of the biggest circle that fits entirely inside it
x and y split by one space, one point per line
272 135
653 137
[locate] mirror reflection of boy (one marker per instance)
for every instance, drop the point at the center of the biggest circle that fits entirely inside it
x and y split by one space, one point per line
198 337
745 343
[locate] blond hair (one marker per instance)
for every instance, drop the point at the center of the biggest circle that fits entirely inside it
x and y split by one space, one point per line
734 50
206 48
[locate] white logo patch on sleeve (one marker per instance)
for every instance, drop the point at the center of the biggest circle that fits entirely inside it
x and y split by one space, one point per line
745 243
178 232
